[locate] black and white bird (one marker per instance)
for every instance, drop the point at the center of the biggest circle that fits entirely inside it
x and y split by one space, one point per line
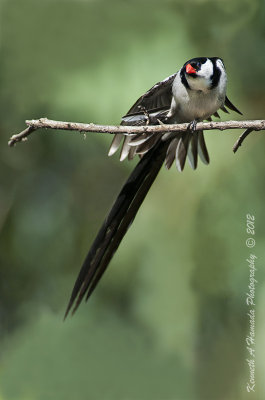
195 93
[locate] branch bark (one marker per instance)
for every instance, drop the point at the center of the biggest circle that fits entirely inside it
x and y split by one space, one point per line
35 124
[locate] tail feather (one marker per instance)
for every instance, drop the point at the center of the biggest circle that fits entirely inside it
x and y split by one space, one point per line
115 143
152 150
148 144
116 223
132 153
193 150
202 149
171 152
124 226
182 150
125 149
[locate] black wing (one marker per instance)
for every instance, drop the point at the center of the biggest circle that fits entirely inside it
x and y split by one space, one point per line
151 106
155 100
231 106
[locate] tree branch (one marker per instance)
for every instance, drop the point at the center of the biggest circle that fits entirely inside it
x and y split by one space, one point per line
34 124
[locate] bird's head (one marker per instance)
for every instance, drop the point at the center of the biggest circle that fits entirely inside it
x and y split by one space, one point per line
203 73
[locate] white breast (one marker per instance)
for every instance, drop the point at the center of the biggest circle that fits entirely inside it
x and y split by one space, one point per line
188 105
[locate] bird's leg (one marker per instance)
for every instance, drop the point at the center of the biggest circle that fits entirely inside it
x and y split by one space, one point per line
192 125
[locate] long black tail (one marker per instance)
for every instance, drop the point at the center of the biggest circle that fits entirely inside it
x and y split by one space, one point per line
117 223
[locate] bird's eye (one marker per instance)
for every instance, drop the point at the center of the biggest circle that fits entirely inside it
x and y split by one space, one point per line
195 65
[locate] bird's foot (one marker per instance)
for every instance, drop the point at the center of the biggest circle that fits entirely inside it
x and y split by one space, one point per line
146 113
192 125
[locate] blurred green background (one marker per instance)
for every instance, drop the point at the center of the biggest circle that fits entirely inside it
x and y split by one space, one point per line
168 321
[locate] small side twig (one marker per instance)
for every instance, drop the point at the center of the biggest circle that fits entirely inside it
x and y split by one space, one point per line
241 139
22 136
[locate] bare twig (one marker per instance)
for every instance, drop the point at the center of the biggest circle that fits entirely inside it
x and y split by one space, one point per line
22 136
34 124
241 139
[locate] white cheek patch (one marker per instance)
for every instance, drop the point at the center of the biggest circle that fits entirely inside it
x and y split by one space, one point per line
206 70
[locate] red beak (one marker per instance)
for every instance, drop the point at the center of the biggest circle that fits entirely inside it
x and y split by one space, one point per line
190 69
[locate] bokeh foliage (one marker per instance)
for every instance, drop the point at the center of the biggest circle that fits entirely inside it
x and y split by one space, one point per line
168 321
